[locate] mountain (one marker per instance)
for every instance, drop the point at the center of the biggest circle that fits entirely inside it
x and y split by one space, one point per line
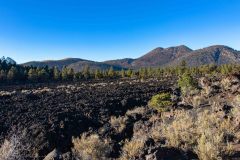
8 60
76 63
161 56
126 62
158 57
218 54
79 66
52 63
155 58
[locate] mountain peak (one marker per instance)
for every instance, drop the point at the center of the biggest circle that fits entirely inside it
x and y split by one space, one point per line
161 56
180 47
215 54
217 47
8 60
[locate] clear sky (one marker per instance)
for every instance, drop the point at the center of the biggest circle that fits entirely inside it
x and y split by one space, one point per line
110 29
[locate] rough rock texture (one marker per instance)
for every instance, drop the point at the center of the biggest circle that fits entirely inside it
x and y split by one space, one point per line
53 114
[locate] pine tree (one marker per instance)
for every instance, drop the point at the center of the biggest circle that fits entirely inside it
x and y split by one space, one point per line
129 72
111 73
187 83
78 76
70 73
64 73
97 74
86 72
133 74
3 75
143 73
43 74
123 73
56 74
12 74
32 74
149 72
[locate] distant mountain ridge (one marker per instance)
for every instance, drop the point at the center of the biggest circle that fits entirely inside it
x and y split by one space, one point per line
218 54
158 57
52 63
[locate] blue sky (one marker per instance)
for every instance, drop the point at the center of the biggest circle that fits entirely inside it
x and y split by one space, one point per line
111 29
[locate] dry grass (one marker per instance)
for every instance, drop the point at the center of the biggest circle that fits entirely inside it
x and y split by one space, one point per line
90 148
132 149
225 83
213 132
177 131
15 148
198 100
204 132
6 93
119 124
137 110
236 101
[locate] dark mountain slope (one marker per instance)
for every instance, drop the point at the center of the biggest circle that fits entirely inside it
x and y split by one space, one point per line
76 63
217 54
79 66
126 62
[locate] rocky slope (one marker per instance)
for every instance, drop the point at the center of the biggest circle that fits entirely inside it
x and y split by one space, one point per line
52 114
218 55
80 65
161 56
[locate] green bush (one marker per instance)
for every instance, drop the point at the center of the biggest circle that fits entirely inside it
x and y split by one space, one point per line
161 102
187 83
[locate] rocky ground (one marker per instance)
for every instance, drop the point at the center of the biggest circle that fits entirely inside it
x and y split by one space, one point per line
113 120
50 115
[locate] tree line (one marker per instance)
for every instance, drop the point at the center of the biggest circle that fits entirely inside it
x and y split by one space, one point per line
11 72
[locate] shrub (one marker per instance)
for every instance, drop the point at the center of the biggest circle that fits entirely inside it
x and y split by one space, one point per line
90 148
119 124
137 110
187 84
15 148
236 101
180 132
204 132
132 149
161 102
198 100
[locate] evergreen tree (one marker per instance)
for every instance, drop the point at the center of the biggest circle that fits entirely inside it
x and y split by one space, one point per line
56 74
182 68
12 74
129 72
187 83
133 74
86 72
43 75
64 73
111 73
123 73
3 75
32 74
70 74
78 76
149 72
97 74
143 73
